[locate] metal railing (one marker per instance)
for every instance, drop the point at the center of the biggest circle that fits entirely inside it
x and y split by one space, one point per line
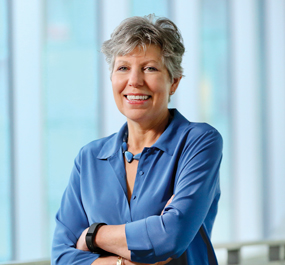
276 250
32 262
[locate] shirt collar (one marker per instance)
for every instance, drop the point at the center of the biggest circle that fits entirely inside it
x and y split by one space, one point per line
113 144
167 142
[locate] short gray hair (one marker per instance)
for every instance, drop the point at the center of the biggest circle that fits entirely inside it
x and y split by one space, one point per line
142 31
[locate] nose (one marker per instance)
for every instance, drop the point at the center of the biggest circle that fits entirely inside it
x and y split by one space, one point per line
136 78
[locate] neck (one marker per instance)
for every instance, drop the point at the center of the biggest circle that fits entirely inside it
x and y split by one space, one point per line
146 135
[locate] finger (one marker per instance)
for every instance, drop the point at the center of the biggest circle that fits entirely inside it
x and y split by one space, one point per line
168 202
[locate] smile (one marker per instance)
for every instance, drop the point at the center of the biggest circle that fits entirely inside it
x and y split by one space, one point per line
139 97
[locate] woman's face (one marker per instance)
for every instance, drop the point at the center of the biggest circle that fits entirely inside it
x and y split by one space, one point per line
141 85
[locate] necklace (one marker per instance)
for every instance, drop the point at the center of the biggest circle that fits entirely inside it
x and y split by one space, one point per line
128 155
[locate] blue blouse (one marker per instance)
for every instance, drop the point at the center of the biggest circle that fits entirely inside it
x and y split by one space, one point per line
184 161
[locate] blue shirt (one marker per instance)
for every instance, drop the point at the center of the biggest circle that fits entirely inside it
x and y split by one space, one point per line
184 161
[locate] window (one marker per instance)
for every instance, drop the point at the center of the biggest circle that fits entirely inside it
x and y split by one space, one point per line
5 147
55 97
70 84
214 98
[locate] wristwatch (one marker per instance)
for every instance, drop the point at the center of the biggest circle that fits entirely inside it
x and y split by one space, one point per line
90 236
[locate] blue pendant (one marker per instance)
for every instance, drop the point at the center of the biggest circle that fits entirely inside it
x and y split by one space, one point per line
137 156
128 155
125 147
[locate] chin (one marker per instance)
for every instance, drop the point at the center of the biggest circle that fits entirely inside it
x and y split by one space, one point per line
136 115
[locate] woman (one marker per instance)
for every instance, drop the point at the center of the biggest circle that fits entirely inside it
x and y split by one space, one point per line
148 193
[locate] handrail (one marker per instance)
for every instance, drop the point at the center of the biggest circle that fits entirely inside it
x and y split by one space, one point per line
233 249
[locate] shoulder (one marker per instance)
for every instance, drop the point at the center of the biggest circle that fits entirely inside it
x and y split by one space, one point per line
94 148
198 129
201 148
198 136
192 131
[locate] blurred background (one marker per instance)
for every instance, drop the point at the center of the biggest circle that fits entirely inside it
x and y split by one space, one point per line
56 96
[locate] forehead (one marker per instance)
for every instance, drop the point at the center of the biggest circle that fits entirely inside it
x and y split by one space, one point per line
151 53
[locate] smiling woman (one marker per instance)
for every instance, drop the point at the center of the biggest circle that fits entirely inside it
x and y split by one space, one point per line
149 193
142 86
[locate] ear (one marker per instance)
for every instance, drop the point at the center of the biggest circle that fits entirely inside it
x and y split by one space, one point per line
175 84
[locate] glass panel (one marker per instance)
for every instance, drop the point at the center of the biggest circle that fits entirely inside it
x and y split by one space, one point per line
70 95
5 175
214 97
146 7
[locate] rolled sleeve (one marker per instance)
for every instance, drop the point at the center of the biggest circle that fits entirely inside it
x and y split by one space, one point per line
142 247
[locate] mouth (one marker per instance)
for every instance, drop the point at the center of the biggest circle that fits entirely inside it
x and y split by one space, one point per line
137 97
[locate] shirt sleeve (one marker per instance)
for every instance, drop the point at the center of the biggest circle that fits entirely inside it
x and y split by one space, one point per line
71 220
157 238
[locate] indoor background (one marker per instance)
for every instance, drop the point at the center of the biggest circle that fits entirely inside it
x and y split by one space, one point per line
56 96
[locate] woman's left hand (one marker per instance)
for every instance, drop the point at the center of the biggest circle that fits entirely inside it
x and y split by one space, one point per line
129 262
168 202
81 243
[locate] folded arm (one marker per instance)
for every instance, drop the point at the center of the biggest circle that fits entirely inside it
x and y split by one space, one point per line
156 238
104 239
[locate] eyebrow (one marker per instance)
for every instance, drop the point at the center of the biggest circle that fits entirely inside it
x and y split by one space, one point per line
126 62
120 61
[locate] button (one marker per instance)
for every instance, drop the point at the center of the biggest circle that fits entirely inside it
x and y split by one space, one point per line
141 173
134 197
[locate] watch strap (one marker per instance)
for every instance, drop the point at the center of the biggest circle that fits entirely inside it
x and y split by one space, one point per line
90 236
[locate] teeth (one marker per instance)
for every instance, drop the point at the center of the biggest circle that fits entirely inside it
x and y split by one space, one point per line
132 97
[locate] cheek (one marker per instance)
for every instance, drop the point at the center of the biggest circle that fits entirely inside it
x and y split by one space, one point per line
118 85
163 87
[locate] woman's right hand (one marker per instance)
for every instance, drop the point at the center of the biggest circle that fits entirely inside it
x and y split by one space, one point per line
168 202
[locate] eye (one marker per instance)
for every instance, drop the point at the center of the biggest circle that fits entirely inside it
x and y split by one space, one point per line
150 69
122 68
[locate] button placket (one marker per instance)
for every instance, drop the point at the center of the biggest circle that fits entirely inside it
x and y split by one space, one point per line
140 173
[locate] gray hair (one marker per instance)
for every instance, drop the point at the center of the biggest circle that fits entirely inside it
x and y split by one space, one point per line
142 31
